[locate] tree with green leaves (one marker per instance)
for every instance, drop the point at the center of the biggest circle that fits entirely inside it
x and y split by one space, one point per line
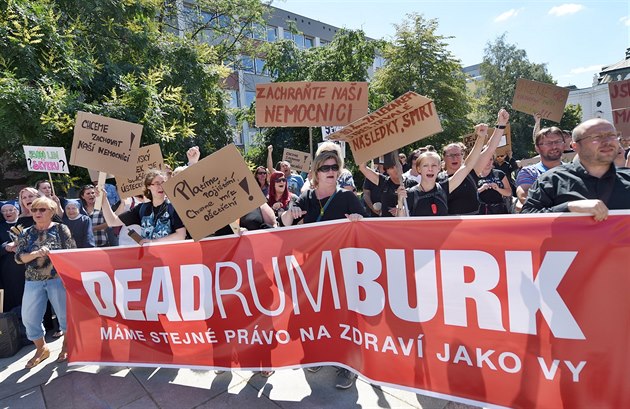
132 60
418 60
346 58
503 64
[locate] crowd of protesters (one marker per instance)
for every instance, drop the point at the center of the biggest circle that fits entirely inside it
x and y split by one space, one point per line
422 183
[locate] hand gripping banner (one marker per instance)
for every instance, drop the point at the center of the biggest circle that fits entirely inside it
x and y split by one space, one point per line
528 311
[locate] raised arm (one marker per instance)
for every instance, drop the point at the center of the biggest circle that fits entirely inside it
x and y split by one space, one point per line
481 130
502 119
369 174
537 118
269 160
111 218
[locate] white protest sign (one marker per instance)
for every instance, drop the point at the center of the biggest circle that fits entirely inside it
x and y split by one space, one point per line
329 130
47 159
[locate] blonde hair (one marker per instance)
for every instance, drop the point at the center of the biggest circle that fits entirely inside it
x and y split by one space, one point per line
427 155
44 201
23 208
331 147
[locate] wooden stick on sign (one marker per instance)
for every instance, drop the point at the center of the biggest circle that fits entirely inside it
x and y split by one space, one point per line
102 176
51 184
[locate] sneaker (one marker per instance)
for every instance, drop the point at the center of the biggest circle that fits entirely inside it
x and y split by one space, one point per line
313 369
345 378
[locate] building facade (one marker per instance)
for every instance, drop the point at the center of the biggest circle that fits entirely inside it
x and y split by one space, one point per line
595 101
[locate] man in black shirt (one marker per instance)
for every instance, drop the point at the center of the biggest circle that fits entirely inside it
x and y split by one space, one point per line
591 183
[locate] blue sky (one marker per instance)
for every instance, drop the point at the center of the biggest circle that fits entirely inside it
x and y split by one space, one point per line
574 39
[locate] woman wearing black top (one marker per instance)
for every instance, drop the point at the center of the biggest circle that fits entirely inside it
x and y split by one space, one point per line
325 201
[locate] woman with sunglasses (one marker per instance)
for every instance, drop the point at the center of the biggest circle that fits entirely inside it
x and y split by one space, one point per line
279 197
42 281
158 219
262 177
325 201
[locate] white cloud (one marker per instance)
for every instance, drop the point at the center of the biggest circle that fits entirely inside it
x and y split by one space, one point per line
590 69
565 9
625 20
507 15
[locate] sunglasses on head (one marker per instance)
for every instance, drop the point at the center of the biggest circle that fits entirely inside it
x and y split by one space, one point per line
38 210
328 168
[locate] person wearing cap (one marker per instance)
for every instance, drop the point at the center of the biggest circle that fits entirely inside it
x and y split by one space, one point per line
80 224
590 184
11 273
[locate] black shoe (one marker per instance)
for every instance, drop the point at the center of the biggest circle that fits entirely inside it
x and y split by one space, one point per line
313 369
345 378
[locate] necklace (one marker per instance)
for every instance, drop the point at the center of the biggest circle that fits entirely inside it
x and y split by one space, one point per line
322 209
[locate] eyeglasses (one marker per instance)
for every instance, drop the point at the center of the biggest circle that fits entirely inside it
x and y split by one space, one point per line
454 155
281 180
38 209
158 183
551 143
328 168
261 173
602 137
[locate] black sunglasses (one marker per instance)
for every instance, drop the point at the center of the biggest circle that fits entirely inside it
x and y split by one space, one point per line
328 168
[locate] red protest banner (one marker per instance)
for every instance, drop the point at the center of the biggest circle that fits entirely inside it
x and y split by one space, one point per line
324 103
535 319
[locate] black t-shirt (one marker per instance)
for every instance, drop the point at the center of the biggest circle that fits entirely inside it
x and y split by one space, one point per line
431 203
341 203
156 222
389 197
490 196
464 199
375 191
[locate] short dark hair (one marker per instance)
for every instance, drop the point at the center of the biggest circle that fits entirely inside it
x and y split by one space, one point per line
548 131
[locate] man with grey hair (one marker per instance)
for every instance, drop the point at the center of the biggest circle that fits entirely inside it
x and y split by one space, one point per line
591 183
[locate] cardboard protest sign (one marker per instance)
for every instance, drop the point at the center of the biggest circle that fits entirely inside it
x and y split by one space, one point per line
547 99
298 160
149 157
105 144
408 118
47 159
621 119
310 103
619 94
216 191
505 144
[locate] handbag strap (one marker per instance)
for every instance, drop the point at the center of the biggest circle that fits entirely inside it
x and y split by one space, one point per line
321 214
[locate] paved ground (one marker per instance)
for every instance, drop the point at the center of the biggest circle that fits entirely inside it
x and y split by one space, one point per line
51 385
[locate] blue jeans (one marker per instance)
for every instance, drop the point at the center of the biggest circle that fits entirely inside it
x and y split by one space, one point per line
36 295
